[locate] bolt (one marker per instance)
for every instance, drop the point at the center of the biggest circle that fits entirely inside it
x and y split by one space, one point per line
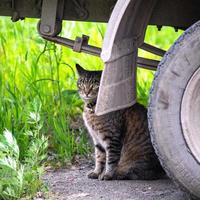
81 14
15 16
159 28
46 28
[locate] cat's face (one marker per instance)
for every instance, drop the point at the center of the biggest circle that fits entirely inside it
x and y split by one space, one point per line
88 84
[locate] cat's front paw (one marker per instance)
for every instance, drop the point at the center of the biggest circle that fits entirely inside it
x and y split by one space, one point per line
106 176
93 175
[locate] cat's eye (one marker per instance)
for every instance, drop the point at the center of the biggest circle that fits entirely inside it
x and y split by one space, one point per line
80 85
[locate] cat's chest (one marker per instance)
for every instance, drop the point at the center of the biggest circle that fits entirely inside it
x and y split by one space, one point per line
93 123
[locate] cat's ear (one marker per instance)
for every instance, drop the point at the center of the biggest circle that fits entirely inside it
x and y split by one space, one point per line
80 70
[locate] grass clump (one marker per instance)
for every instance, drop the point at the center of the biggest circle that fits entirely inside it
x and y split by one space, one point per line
21 167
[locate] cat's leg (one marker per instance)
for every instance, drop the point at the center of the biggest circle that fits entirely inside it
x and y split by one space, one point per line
147 170
113 151
100 159
122 172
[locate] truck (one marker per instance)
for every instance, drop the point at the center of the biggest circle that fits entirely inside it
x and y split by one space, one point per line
174 104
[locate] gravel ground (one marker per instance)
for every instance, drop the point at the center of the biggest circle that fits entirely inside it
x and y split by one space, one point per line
72 184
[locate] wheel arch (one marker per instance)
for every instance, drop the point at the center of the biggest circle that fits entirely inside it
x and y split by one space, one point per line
125 33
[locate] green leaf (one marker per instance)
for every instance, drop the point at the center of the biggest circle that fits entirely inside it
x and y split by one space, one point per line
11 143
9 162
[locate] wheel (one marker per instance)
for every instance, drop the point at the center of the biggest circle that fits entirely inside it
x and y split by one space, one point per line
174 111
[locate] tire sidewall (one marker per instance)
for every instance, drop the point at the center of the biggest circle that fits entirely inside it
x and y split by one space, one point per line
174 71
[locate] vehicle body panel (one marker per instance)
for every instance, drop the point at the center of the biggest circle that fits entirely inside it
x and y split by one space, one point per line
176 13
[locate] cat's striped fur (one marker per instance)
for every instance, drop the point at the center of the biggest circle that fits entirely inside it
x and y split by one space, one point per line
123 149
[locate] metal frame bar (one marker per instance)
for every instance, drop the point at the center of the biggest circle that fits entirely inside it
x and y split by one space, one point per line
72 43
152 49
147 63
84 47
50 26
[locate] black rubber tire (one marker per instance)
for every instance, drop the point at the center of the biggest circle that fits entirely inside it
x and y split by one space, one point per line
171 78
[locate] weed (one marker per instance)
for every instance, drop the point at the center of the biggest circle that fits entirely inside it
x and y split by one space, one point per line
17 172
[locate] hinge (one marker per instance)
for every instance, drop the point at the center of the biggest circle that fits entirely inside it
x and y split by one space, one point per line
51 17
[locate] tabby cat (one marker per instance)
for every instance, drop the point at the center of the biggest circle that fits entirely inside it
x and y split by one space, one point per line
123 149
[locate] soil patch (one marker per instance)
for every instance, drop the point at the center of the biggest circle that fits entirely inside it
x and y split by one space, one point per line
72 184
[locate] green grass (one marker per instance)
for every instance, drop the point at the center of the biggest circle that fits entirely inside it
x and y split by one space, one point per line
38 78
21 159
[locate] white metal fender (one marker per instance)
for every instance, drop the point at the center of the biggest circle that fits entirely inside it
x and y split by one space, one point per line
125 33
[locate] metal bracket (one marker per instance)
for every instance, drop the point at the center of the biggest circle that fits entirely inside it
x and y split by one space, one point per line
79 42
15 15
51 18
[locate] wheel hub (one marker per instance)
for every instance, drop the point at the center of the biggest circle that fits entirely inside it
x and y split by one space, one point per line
190 114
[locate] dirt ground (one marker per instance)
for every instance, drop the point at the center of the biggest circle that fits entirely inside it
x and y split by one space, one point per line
72 184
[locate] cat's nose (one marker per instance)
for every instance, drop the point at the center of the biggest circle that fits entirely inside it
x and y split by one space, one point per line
87 92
